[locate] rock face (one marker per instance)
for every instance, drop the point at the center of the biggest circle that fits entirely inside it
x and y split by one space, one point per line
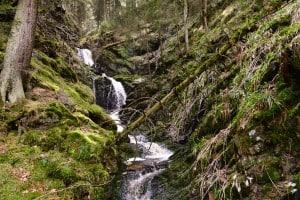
104 93
109 93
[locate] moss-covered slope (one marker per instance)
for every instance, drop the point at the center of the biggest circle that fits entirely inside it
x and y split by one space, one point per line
57 144
235 128
240 117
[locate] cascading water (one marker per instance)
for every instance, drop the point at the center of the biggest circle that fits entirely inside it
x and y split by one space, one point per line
119 100
110 94
115 96
86 56
137 181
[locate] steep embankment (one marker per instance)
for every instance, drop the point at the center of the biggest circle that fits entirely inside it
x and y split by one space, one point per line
57 143
241 115
235 127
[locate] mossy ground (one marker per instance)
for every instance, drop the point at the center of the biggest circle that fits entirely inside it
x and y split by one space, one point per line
56 144
235 128
48 146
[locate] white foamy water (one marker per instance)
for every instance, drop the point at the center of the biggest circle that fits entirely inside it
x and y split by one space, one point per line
119 92
120 101
85 55
138 184
140 187
154 150
116 117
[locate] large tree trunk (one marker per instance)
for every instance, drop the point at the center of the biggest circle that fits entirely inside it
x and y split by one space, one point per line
18 51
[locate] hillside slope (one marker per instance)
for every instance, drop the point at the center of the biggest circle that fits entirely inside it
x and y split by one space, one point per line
234 125
56 144
235 128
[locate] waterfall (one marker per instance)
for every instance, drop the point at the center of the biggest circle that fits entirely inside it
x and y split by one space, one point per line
137 181
118 92
85 55
110 94
112 99
118 96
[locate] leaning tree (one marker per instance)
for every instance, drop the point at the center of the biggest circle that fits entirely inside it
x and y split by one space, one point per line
18 51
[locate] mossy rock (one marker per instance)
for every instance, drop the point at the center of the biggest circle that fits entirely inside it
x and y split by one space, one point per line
83 147
80 94
47 45
98 115
32 138
98 193
65 70
53 115
58 64
96 173
64 173
53 140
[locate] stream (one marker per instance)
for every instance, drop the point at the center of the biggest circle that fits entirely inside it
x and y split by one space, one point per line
137 180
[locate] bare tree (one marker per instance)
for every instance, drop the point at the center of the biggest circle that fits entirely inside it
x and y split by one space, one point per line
203 4
186 31
18 51
106 9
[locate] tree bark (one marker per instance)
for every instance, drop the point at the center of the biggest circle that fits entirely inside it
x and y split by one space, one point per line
186 31
18 51
180 87
205 16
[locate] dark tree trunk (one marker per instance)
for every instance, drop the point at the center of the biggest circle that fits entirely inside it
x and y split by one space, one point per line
18 51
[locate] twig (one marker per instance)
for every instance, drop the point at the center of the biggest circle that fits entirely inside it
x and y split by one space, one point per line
72 187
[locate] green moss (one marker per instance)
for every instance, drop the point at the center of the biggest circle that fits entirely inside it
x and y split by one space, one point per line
65 70
45 76
79 93
60 110
57 64
1 57
82 147
32 138
267 188
294 111
297 179
287 96
47 45
98 115
85 92
270 170
279 22
64 173
5 157
53 140
96 174
98 193
268 113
